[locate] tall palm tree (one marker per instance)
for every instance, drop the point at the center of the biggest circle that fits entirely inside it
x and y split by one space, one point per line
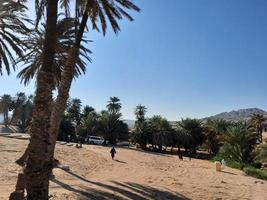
140 133
114 105
13 25
110 125
38 165
256 121
140 112
45 124
95 11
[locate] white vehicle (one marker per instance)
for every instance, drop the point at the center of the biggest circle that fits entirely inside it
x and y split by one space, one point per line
95 140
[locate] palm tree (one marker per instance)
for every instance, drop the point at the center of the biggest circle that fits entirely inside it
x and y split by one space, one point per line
65 35
73 111
139 134
193 128
38 165
214 129
12 28
91 123
256 121
110 125
6 105
86 111
239 143
159 128
95 11
114 105
140 112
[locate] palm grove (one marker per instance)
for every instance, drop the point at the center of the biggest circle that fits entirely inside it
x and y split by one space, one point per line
53 48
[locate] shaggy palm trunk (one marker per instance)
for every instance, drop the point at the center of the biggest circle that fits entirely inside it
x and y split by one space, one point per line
64 87
61 101
38 166
51 131
63 93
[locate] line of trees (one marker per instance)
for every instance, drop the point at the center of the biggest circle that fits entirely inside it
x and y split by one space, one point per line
54 52
233 141
77 121
82 123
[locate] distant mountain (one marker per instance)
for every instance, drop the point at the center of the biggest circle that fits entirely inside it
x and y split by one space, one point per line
236 115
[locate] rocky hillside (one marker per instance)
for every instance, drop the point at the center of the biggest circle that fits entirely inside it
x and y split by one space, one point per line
235 115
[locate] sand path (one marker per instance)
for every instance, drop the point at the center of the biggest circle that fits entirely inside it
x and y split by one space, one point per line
134 175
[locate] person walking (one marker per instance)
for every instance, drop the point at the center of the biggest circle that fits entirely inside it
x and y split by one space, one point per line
180 154
112 153
189 155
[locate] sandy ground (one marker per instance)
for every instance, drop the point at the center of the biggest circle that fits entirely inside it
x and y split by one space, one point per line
134 175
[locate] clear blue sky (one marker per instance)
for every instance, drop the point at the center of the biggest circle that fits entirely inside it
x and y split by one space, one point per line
180 58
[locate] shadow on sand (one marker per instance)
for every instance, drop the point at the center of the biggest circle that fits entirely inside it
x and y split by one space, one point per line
228 172
117 190
120 161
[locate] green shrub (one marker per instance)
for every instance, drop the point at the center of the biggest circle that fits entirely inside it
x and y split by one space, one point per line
218 157
236 165
257 173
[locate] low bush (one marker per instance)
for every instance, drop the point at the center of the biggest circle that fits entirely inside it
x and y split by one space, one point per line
257 173
236 165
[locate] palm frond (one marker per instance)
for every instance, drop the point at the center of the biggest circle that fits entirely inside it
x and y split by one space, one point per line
65 40
13 27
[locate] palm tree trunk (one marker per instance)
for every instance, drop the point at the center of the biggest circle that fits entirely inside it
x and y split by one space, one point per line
58 110
64 87
38 166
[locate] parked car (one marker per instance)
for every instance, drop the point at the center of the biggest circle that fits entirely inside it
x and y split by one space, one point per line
95 140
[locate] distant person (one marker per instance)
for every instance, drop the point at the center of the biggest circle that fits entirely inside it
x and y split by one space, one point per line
112 153
190 152
80 141
180 155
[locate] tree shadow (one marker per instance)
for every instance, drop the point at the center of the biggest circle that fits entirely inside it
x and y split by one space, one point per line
228 172
117 190
120 161
167 153
120 191
148 151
